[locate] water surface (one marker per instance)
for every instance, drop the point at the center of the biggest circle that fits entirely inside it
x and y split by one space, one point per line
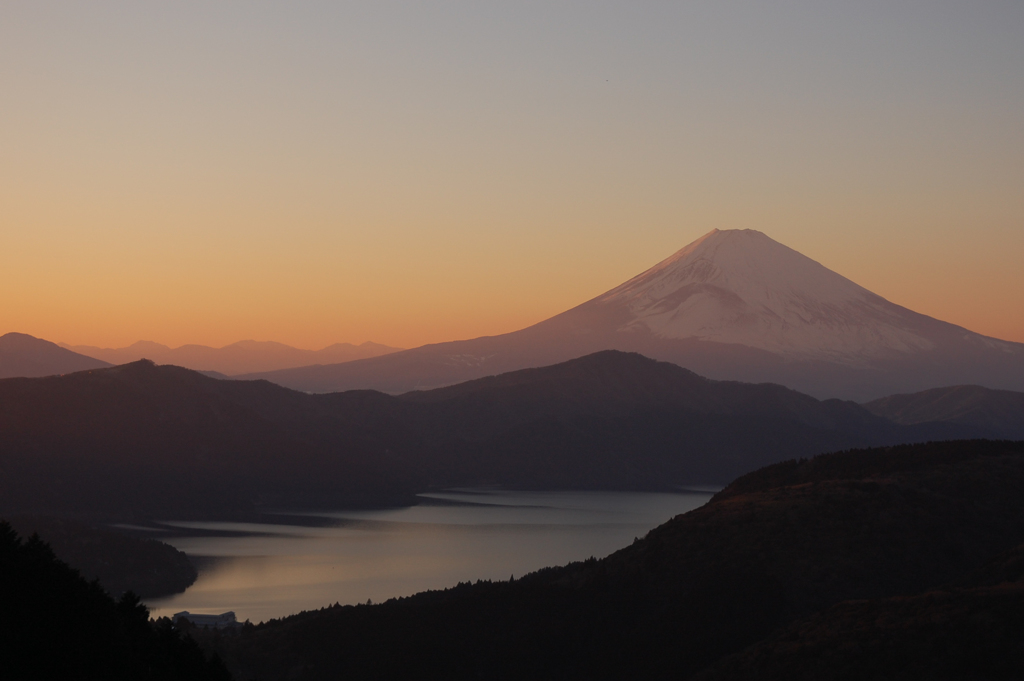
277 568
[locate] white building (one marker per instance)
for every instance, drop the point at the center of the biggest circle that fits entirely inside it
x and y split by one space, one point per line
222 621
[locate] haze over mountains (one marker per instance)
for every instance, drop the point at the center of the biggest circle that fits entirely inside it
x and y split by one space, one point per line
733 305
1001 412
238 358
24 355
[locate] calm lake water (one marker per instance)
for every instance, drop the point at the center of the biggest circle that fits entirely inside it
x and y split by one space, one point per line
278 568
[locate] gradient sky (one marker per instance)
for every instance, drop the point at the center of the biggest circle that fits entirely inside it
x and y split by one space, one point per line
317 172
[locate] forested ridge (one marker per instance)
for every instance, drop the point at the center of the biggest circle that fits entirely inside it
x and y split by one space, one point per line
140 441
771 550
56 625
119 561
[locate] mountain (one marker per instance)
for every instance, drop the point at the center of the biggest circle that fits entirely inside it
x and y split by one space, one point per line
1000 412
146 567
56 625
238 358
24 355
859 528
733 305
967 630
141 440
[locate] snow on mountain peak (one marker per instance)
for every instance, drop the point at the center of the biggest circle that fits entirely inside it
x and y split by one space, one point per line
740 286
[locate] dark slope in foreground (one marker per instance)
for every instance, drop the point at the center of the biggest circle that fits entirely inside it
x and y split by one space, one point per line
146 567
1001 412
776 546
143 440
24 355
55 625
971 630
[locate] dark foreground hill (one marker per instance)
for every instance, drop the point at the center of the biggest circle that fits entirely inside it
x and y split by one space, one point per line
148 441
971 630
146 567
55 625
771 549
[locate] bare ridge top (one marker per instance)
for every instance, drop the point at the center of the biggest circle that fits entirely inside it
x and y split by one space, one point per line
740 286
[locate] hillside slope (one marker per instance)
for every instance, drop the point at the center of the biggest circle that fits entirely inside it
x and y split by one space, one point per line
56 625
146 567
148 440
775 547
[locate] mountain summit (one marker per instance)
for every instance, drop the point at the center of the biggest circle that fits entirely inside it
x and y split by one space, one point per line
741 287
732 305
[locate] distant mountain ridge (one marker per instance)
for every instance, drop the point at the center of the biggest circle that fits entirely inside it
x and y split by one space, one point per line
238 358
1001 412
25 355
141 440
733 305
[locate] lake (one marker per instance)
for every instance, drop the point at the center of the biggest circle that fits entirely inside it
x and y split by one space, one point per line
280 567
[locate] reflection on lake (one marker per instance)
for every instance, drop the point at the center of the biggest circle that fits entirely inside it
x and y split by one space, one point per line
266 570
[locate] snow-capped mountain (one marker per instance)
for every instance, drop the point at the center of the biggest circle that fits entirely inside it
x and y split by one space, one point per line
741 287
732 305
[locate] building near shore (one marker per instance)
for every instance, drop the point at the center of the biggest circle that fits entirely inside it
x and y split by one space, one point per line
223 621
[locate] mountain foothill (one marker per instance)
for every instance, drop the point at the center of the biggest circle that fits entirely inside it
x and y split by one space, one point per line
141 440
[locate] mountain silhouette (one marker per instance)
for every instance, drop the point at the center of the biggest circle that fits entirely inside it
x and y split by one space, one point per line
141 440
733 305
120 562
238 358
57 625
24 355
1000 412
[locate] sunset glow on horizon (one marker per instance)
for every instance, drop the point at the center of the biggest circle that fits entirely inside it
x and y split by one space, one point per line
407 174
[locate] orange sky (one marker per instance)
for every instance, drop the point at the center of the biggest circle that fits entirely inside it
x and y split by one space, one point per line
407 175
